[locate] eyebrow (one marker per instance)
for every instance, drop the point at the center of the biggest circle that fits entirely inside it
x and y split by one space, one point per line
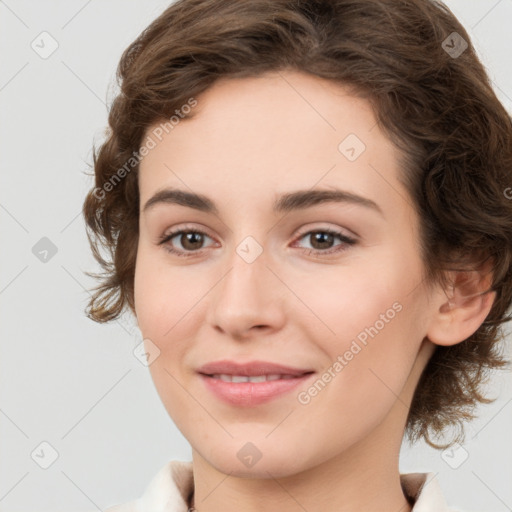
288 202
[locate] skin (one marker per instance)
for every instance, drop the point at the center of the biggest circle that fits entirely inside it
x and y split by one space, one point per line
251 140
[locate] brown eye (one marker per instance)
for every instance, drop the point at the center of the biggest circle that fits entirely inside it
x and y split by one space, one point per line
322 240
191 241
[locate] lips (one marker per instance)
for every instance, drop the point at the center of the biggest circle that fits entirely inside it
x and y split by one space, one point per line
251 384
251 369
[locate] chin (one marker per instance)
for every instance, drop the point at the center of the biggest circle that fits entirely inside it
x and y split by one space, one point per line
247 461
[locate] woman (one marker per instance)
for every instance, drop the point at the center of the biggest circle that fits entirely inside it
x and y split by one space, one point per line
305 208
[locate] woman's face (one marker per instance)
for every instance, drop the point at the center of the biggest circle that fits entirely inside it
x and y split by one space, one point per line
332 287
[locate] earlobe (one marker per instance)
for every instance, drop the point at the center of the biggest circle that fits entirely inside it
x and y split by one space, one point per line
462 311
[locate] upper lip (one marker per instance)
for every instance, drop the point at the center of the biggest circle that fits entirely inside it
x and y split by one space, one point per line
249 369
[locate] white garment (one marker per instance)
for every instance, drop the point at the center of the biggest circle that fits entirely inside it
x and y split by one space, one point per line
170 489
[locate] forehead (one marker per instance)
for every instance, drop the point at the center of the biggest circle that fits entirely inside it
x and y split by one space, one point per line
253 138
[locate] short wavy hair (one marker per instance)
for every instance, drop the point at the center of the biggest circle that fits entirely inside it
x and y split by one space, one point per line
431 96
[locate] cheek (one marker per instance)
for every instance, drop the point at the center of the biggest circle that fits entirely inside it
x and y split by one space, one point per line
368 322
340 304
162 294
169 302
164 303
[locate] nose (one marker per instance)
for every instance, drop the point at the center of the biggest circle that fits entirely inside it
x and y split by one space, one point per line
249 298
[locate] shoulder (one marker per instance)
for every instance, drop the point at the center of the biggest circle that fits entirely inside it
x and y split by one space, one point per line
425 492
168 491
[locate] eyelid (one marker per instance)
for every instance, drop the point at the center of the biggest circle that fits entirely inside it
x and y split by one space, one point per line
342 231
186 227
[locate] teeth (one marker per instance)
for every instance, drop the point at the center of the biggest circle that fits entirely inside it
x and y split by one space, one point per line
236 378
245 378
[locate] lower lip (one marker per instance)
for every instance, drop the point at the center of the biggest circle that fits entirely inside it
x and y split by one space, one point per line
249 394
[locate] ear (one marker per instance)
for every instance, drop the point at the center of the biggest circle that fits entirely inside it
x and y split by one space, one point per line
462 311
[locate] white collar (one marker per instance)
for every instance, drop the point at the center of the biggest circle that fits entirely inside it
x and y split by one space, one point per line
170 490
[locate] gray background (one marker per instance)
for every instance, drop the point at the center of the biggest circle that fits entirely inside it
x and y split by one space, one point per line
75 384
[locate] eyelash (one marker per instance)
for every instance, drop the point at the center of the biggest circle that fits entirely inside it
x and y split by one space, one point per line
343 238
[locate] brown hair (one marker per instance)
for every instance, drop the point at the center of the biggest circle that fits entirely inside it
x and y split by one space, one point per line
438 107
